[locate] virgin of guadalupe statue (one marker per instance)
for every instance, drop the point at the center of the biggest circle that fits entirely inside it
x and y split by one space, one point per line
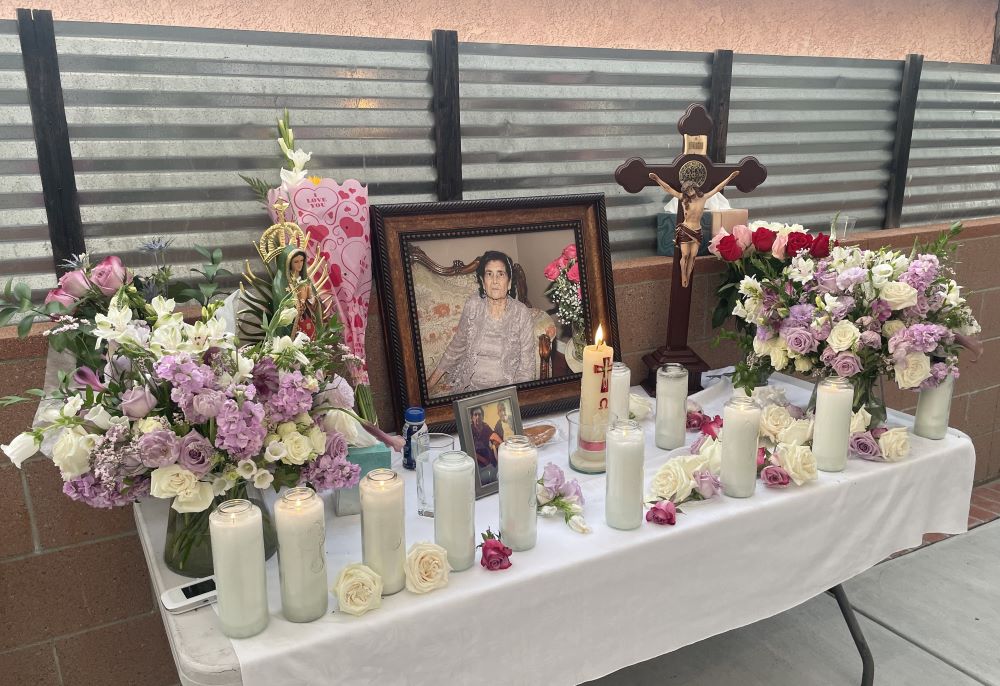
292 276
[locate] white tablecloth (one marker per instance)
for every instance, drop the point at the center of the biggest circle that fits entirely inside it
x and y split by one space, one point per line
577 607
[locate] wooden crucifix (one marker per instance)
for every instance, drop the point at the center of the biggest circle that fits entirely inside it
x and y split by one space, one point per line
694 169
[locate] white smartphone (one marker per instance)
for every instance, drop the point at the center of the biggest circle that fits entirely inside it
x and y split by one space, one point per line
198 593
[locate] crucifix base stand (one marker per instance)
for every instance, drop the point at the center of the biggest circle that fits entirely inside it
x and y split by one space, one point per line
684 356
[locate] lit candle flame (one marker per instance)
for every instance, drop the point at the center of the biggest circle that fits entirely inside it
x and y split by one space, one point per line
599 336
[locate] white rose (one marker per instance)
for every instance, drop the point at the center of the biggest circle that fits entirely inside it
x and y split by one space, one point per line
798 432
803 364
843 336
194 499
298 449
798 461
167 482
899 295
246 469
303 419
895 444
763 347
358 589
99 417
144 426
426 568
860 420
317 439
579 524
71 453
881 273
779 356
672 481
914 370
275 451
773 420
711 451
286 428
263 479
72 407
21 448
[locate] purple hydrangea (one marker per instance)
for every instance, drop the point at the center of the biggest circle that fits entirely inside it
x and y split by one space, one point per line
86 489
182 372
881 310
939 372
922 272
240 428
331 470
291 398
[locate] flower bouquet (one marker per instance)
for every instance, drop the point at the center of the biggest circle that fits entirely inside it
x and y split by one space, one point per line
566 295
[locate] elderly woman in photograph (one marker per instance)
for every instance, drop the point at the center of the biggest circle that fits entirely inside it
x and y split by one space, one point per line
494 344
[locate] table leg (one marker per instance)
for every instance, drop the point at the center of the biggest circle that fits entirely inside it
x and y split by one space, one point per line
867 662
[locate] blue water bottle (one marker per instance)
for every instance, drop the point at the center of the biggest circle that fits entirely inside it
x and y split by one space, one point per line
414 429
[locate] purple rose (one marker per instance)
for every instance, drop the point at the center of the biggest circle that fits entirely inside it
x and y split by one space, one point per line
846 364
870 339
159 448
826 281
196 454
800 340
795 411
137 402
571 492
774 476
828 355
863 444
706 483
207 403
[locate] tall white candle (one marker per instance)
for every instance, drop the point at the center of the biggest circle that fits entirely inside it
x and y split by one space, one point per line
621 383
455 507
934 410
626 458
740 433
832 431
595 389
671 406
237 532
517 464
301 525
383 537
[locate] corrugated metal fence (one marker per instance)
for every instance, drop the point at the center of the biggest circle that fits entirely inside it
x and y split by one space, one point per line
161 120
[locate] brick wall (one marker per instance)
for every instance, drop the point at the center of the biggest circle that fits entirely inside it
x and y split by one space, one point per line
78 608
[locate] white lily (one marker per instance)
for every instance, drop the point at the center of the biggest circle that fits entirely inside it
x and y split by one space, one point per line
290 178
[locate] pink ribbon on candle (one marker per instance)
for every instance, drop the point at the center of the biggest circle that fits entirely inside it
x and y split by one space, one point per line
592 446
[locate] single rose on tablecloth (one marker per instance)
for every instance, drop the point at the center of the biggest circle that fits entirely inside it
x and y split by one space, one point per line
895 444
799 432
773 420
662 513
495 555
798 461
706 484
426 568
774 476
864 445
672 481
358 589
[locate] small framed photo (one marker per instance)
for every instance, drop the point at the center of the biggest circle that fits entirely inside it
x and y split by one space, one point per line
484 422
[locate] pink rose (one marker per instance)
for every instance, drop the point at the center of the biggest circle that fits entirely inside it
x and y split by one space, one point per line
75 283
495 555
552 271
761 456
137 402
713 245
663 512
778 247
60 296
774 476
574 273
694 420
743 236
570 251
110 274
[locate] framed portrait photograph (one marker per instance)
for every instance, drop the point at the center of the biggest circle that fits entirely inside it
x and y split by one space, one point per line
483 422
469 302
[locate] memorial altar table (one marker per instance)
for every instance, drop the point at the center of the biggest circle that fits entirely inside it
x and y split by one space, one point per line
580 606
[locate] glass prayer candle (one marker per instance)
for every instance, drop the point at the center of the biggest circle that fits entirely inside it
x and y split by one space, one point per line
455 507
518 476
383 536
621 383
934 410
237 532
740 433
832 430
300 521
671 406
626 469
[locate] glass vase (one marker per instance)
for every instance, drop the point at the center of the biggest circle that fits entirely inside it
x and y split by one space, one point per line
579 342
188 548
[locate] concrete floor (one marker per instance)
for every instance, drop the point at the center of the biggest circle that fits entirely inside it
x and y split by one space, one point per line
932 618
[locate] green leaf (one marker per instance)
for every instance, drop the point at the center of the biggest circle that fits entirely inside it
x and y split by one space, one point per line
6 313
203 251
207 291
24 328
22 291
217 256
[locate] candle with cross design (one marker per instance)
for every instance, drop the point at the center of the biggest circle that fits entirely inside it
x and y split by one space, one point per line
595 387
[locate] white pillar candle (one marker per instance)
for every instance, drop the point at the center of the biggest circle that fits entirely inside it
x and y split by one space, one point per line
237 532
301 525
383 537
517 464
621 384
626 469
740 433
595 389
934 410
832 430
671 406
455 507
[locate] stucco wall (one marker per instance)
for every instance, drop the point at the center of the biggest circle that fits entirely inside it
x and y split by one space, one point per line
949 30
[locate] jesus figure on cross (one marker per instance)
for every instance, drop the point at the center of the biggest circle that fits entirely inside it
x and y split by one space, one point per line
687 237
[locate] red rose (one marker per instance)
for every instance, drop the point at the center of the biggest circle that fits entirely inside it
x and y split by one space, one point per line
729 249
663 512
798 240
710 426
495 555
763 239
821 246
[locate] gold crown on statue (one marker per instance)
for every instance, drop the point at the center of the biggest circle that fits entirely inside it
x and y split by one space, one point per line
279 236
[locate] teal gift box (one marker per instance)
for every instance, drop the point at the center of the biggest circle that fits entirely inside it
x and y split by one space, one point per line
666 227
347 501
